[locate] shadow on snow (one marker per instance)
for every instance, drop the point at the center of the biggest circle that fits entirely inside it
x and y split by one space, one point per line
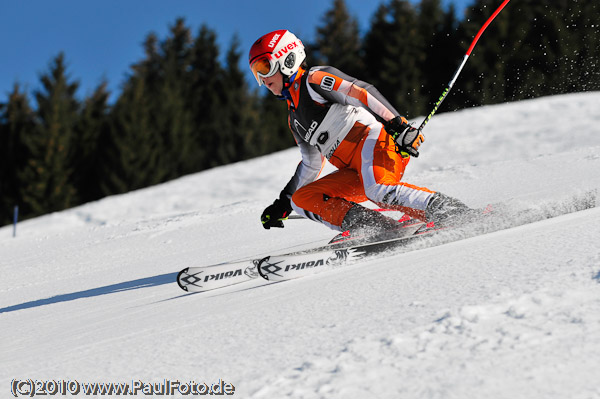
154 281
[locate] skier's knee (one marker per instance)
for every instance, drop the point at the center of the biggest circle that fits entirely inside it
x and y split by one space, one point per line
302 198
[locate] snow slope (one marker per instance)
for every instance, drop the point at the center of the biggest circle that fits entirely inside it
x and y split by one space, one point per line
88 294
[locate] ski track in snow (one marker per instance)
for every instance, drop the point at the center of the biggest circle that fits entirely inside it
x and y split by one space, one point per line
89 294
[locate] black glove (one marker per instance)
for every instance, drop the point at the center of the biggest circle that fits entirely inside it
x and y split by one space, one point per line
276 213
407 138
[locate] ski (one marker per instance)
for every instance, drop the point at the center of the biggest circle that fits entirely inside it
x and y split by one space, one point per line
340 251
299 264
205 278
345 250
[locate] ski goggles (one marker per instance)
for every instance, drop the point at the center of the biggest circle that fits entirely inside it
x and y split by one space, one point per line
263 67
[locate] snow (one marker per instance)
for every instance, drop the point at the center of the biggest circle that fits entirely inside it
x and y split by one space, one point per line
89 294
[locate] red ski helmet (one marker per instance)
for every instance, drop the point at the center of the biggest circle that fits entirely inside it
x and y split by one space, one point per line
278 49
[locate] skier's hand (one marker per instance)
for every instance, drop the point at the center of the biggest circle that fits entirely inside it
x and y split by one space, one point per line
276 213
407 138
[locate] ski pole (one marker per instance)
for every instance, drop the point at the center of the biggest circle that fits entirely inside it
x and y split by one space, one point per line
300 217
464 61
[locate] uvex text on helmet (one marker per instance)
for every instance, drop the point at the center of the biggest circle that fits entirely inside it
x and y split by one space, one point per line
280 49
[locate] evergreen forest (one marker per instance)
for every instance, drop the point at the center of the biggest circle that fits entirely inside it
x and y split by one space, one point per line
182 110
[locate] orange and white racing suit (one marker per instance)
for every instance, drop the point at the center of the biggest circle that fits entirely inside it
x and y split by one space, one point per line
339 118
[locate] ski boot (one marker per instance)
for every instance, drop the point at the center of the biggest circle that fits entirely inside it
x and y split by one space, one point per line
443 211
363 225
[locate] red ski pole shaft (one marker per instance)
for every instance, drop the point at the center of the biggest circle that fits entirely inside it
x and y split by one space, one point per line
464 61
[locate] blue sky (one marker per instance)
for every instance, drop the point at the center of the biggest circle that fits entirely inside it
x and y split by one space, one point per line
101 39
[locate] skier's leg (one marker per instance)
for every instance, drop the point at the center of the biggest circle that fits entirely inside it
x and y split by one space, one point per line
382 169
333 201
328 199
369 169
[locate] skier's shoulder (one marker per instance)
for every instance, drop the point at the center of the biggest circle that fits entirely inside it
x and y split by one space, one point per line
326 74
325 69
327 80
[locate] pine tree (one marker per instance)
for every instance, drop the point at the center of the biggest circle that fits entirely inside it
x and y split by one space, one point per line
49 169
442 52
487 64
375 48
273 129
393 50
580 42
172 117
16 123
533 48
205 83
534 63
237 133
90 142
338 41
134 145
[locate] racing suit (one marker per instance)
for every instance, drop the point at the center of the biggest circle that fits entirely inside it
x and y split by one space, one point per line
339 118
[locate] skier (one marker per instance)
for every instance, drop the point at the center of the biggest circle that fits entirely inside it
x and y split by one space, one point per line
348 122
